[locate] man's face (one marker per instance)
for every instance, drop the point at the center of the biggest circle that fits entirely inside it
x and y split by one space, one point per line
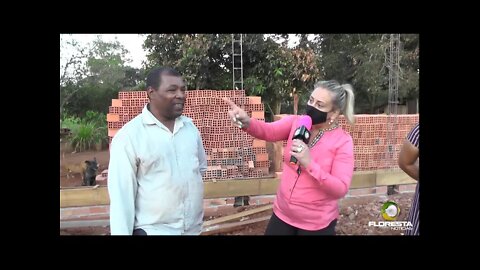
169 99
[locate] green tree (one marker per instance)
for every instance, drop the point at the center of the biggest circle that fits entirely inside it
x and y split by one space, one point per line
106 63
270 68
201 58
100 74
72 69
277 70
409 66
268 73
163 49
134 79
360 59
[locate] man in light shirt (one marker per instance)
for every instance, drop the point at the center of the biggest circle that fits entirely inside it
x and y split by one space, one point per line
156 165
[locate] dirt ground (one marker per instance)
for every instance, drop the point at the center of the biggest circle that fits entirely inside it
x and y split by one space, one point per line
68 159
355 212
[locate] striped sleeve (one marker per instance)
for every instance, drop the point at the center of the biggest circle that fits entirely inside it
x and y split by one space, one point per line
414 135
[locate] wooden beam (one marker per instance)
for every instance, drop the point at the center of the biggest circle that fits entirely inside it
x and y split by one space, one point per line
237 215
231 226
397 177
277 156
84 223
363 179
242 187
85 196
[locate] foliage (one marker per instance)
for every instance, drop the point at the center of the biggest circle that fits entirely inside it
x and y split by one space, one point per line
100 72
93 75
361 59
87 132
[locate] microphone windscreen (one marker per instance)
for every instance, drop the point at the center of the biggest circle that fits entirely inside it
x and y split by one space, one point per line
306 121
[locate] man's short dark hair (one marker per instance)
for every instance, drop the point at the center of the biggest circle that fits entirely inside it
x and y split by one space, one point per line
154 77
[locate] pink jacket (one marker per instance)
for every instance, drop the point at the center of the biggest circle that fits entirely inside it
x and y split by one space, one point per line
309 201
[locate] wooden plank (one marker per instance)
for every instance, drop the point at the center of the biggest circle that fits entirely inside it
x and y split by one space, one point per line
221 189
277 156
243 187
386 178
84 223
363 179
222 228
84 196
237 215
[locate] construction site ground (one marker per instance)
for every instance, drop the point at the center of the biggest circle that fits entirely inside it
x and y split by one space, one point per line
68 159
355 212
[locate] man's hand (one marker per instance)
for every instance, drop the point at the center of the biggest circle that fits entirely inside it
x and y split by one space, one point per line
239 117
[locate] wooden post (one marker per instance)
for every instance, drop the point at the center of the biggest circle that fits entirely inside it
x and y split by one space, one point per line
295 103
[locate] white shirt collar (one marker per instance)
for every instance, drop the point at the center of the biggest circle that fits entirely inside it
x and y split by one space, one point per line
149 119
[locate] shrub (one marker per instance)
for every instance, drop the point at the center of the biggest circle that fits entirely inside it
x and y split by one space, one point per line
88 132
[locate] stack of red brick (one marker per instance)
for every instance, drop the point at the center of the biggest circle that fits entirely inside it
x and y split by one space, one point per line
125 108
376 139
231 153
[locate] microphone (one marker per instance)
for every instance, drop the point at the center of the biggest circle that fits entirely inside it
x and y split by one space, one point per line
302 133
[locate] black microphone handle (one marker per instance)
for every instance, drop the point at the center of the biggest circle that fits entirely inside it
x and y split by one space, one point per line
293 160
301 136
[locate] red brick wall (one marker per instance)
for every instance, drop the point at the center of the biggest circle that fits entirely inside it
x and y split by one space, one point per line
377 139
231 153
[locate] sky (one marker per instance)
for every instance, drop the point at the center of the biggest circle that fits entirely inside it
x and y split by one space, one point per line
131 42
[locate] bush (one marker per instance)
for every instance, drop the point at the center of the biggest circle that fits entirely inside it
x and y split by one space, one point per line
97 118
88 132
70 122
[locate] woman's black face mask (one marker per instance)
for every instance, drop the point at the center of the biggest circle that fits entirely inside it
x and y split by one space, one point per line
318 117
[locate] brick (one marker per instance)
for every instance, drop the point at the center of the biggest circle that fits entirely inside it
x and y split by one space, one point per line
254 100
262 171
114 125
98 210
112 132
258 115
116 103
80 211
112 117
259 150
112 109
261 157
100 178
65 213
123 95
259 143
238 93
139 94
